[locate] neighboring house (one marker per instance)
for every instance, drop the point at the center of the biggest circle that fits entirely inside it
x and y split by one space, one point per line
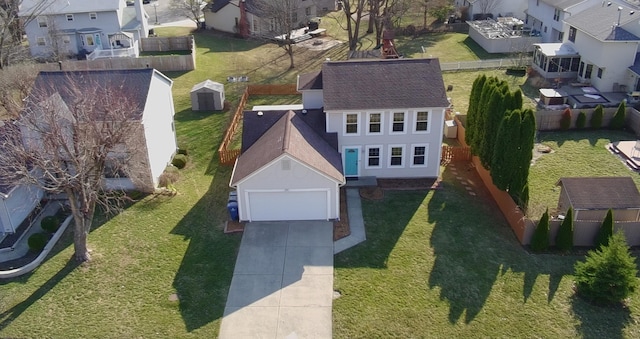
73 27
153 144
545 17
600 48
592 197
478 9
388 114
243 17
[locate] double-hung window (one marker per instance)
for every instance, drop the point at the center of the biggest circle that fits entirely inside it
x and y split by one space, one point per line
419 155
396 154
422 121
397 122
375 123
374 153
351 123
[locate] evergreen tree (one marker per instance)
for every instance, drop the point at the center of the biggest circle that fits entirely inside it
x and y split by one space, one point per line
540 239
581 122
619 118
517 100
565 120
523 156
474 101
608 274
502 163
479 133
564 238
606 230
492 118
596 118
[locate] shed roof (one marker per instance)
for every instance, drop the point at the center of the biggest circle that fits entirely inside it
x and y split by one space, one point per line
311 80
602 23
216 86
290 135
591 193
383 84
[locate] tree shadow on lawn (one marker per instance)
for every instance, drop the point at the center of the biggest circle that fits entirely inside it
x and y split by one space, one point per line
593 136
412 45
217 42
14 312
597 322
474 246
203 279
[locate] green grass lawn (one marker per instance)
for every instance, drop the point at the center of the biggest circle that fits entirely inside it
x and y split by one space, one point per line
442 264
436 264
575 154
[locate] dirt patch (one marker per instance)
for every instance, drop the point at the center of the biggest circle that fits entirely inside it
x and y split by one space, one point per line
319 44
539 150
372 193
341 227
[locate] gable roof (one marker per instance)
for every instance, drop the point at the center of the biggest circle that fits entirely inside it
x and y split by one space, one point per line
292 136
216 86
564 4
135 82
311 80
217 5
601 192
600 22
383 84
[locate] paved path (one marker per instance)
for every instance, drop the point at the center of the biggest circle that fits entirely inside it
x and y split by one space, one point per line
282 285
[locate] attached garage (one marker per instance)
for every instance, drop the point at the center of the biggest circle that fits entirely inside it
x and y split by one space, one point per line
288 205
290 172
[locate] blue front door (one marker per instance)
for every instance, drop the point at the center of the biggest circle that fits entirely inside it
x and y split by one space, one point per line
351 162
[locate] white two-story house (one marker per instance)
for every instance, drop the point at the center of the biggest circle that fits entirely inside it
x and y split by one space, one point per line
362 118
78 27
546 17
477 9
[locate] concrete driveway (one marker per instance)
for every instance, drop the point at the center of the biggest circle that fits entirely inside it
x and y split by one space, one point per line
282 285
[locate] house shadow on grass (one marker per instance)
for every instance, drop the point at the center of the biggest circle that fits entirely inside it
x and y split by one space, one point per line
474 246
203 279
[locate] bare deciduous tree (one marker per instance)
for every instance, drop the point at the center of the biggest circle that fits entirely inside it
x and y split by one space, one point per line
191 9
353 13
282 17
12 26
71 131
15 83
487 6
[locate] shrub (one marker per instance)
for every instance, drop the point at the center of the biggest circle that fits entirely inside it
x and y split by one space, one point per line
617 122
38 241
608 274
540 239
565 120
606 230
179 161
596 118
183 151
564 238
168 177
50 223
581 122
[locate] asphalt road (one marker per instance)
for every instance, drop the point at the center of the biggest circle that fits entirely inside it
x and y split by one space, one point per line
161 10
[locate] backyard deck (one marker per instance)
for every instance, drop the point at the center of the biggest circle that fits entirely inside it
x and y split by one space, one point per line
627 150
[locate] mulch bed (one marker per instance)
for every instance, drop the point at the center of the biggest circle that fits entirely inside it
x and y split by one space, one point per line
341 227
232 226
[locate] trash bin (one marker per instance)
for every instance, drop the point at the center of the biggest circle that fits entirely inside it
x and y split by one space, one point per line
232 207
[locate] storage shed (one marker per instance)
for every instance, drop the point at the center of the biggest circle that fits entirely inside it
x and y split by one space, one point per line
207 96
592 197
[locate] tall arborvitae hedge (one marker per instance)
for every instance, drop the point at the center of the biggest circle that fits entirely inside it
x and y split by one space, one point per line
564 238
597 117
503 160
606 230
581 121
617 122
523 156
540 239
474 102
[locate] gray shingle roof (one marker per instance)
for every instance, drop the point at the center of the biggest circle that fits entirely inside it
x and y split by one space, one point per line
601 192
311 80
290 135
134 82
600 22
563 4
383 84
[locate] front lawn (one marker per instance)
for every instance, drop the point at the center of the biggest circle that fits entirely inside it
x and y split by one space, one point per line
442 264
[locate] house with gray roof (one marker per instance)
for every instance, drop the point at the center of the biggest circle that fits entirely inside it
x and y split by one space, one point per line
600 48
152 142
546 17
360 118
72 27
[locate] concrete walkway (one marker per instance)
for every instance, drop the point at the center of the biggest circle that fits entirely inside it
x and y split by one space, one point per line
282 285
356 223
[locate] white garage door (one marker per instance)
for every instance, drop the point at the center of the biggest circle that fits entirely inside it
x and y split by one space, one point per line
289 205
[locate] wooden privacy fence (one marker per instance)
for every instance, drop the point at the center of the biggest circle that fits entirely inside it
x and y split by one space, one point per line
163 44
455 154
228 156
